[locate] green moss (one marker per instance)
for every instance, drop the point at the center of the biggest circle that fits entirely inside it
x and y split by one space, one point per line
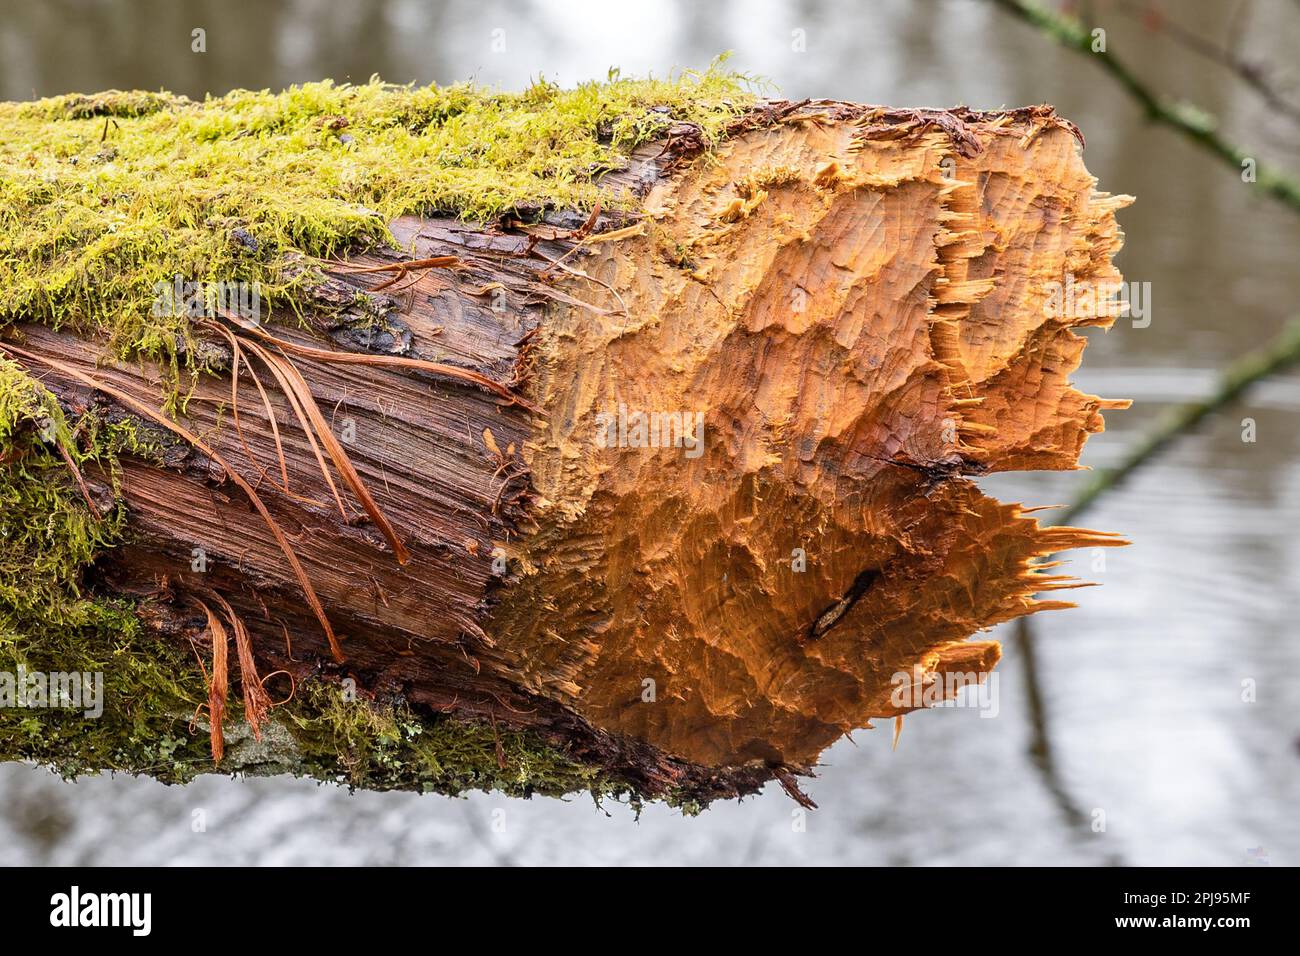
152 723
46 533
104 197
49 624
109 103
378 746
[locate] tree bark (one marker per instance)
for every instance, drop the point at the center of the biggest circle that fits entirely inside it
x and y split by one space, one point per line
855 302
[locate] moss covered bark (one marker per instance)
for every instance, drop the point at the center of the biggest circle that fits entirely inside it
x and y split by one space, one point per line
105 196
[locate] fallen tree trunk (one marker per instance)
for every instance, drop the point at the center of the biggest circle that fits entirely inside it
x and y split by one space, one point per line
667 496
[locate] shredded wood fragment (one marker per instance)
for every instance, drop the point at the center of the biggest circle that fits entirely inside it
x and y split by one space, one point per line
218 683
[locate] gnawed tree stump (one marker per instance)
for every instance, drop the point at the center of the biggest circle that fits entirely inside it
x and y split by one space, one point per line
711 492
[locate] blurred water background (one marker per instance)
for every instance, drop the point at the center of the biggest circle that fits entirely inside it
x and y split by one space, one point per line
1141 685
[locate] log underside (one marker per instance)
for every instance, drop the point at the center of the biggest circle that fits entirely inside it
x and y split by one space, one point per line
854 301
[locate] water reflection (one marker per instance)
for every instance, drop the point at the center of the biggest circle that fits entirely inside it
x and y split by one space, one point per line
1142 683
